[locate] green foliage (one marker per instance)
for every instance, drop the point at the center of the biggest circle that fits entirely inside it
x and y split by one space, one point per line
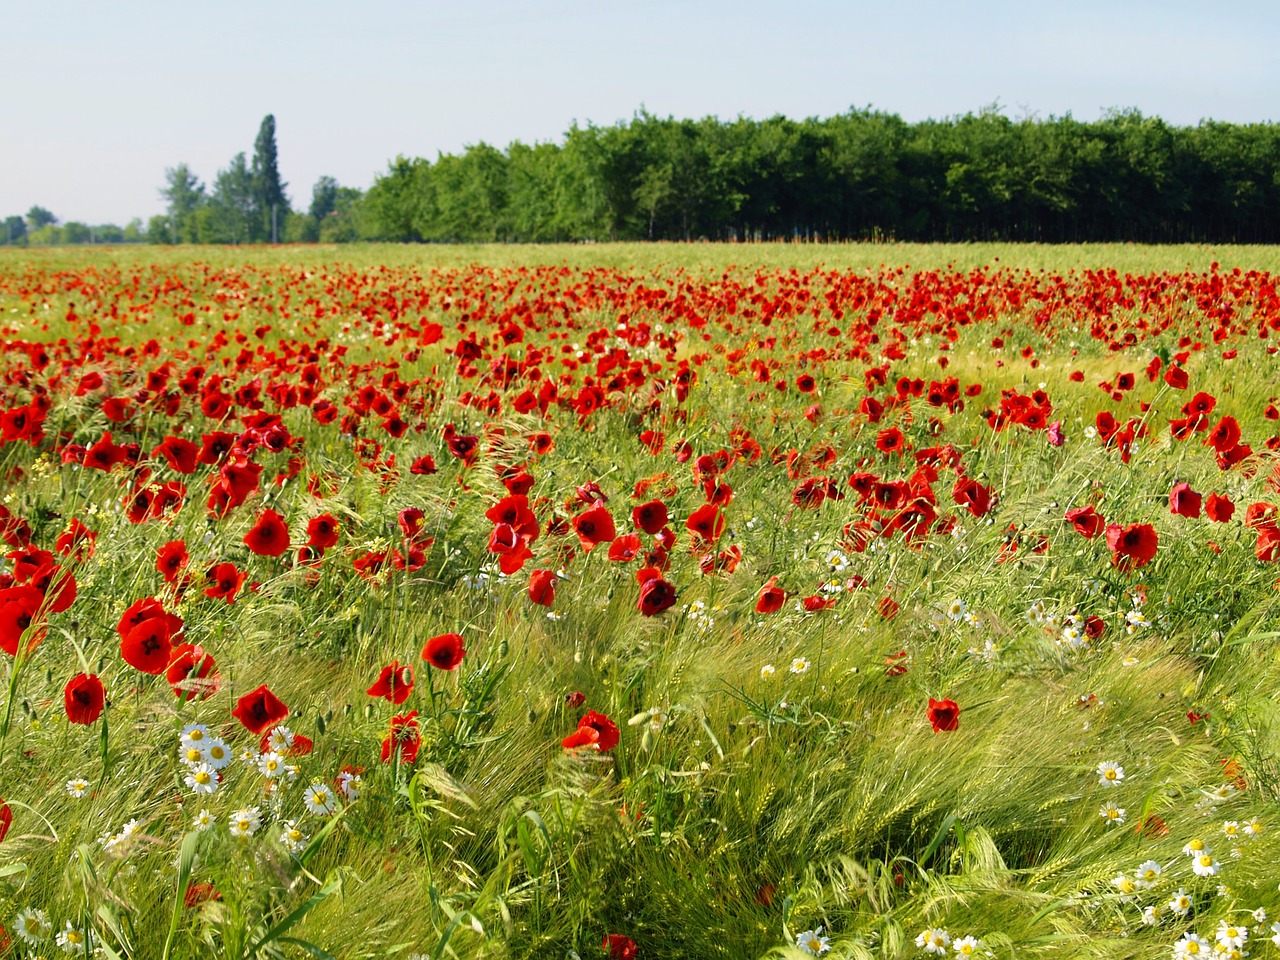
15 230
38 217
267 190
859 175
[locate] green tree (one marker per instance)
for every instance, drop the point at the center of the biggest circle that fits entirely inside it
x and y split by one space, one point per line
15 231
324 198
268 190
184 194
234 212
400 200
345 223
38 217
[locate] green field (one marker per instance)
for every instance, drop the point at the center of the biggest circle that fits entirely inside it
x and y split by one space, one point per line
867 454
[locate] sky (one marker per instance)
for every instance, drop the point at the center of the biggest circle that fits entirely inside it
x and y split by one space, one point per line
98 99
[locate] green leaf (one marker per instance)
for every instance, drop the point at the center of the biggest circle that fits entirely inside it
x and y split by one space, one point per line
442 782
283 927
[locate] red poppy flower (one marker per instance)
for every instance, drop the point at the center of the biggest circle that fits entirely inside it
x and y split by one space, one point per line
594 526
57 585
706 522
595 731
77 540
619 947
18 609
1224 435
1132 546
944 715
179 453
260 710
6 820
444 652
147 647
269 537
404 739
198 893
224 582
394 683
972 495
411 520
1086 521
192 673
891 441
656 594
84 697
1219 509
171 559
624 548
1183 501
771 598
322 531
888 607
542 587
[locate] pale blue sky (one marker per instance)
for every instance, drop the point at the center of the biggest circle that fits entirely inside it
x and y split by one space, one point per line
97 98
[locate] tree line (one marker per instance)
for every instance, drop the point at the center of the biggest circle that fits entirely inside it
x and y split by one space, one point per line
860 175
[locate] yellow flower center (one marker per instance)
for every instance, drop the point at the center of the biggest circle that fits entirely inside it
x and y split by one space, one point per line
203 777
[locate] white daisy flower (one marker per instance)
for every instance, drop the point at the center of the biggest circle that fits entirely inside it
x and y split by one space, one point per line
812 941
1205 866
767 671
1231 936
32 925
202 821
193 735
72 939
280 739
294 840
244 823
1148 873
1113 815
77 787
800 666
350 783
967 946
1110 774
202 779
1191 945
1195 847
216 753
271 765
193 753
934 940
1126 885
1181 903
319 800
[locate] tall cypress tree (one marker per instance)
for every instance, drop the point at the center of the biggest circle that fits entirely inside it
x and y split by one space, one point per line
268 191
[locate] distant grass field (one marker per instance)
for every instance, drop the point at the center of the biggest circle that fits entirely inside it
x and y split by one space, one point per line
669 601
1127 257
